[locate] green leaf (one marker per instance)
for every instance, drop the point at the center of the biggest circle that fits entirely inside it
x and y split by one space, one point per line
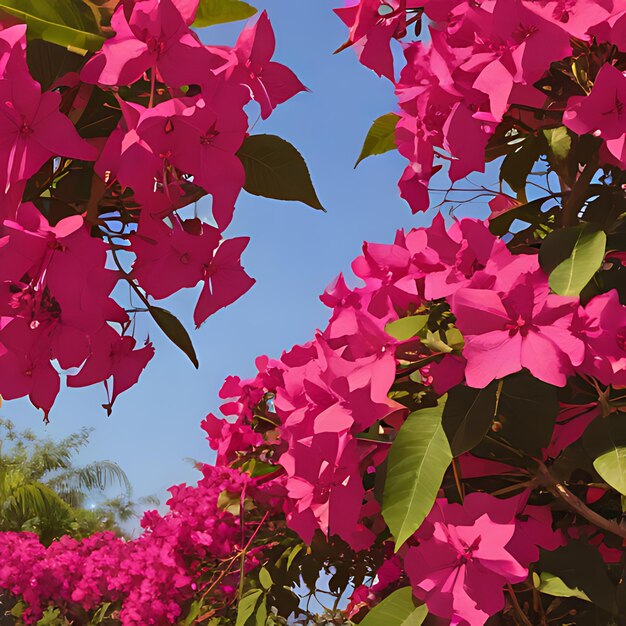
530 213
467 416
247 606
194 611
417 461
381 137
265 579
175 331
584 248
518 163
417 617
591 578
51 617
294 553
64 22
212 12
261 612
275 169
605 441
406 327
612 467
559 141
554 586
397 609
527 409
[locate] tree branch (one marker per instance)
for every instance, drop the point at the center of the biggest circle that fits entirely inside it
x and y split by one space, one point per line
559 490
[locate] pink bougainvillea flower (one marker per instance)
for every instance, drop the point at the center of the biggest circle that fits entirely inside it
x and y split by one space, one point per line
170 259
603 112
269 82
523 328
25 368
460 572
604 335
32 129
112 355
201 137
13 47
149 34
373 24
463 561
225 279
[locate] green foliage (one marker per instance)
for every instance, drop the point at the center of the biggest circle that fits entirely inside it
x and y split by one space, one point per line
212 12
580 566
68 23
518 163
406 327
418 459
381 137
248 606
174 331
605 442
526 412
572 256
468 415
43 491
559 141
397 609
275 169
554 586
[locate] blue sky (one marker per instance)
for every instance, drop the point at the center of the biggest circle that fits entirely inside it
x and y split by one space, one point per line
294 253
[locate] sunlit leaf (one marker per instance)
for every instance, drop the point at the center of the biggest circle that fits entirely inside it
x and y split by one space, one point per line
64 22
212 12
417 461
381 137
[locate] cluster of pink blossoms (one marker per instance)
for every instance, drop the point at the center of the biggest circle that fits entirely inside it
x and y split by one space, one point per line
56 309
481 64
325 393
320 397
150 578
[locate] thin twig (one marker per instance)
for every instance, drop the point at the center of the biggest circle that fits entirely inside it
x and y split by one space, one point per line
558 489
517 607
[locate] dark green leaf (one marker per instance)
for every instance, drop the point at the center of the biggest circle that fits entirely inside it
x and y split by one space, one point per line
518 164
175 331
571 256
47 61
467 416
417 461
247 606
528 408
275 169
530 213
580 566
381 137
212 12
397 609
63 22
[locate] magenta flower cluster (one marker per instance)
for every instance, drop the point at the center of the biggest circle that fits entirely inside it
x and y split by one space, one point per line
482 62
56 309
